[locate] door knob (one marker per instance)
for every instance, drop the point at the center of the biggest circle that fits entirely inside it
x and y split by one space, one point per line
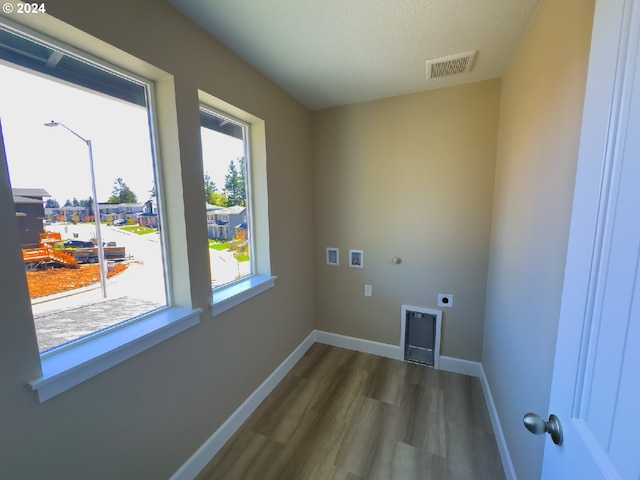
537 425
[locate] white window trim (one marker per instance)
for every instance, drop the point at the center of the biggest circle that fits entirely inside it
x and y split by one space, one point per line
248 165
225 297
233 294
66 368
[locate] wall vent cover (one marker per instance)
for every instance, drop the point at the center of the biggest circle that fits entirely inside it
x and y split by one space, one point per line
450 65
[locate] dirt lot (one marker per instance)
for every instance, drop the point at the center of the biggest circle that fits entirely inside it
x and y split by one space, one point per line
56 280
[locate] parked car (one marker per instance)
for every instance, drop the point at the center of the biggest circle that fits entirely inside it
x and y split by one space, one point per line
120 221
77 244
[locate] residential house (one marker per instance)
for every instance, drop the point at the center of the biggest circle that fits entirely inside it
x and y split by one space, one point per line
29 208
129 212
109 212
474 184
149 216
68 214
224 222
212 221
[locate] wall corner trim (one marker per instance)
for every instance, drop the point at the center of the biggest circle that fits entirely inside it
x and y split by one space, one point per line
194 465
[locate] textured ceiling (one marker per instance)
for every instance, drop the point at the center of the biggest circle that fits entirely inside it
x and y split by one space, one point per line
335 52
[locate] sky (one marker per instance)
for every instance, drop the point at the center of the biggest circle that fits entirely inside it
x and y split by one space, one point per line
56 160
218 150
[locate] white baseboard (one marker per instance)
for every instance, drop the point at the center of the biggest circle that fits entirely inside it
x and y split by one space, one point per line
475 369
507 464
360 345
215 442
458 365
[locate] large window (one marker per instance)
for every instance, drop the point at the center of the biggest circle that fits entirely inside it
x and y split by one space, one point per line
80 153
227 195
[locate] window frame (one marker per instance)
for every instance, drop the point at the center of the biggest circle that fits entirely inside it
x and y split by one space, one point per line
230 295
248 178
69 365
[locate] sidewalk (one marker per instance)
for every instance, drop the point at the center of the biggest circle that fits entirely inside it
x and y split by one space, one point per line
73 314
58 327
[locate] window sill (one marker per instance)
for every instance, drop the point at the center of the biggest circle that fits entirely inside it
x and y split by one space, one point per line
234 294
66 368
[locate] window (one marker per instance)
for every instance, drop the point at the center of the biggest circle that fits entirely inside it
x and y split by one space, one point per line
235 183
88 208
226 181
86 273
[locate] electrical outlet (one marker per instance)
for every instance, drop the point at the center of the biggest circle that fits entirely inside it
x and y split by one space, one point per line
445 300
367 290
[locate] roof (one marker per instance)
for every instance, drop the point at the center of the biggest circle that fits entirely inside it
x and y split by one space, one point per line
19 199
234 210
121 205
30 192
69 208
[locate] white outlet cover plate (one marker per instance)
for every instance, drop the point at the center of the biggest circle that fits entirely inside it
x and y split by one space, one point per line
445 300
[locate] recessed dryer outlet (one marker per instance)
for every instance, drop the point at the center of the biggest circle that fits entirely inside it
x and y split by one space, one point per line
445 300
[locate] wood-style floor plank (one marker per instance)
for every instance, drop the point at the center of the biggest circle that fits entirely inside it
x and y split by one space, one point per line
345 415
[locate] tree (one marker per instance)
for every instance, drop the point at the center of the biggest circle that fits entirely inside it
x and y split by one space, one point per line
67 203
209 189
88 204
52 203
75 202
121 193
234 184
219 199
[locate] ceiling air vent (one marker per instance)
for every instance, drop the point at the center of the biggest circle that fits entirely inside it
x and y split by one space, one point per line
450 65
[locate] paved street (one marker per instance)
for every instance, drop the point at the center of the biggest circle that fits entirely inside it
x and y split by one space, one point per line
69 315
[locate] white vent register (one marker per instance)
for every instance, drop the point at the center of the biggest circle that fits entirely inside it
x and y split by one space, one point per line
450 65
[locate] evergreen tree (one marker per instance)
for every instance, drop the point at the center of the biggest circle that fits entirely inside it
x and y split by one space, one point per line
234 184
209 189
52 203
121 193
242 181
67 203
88 204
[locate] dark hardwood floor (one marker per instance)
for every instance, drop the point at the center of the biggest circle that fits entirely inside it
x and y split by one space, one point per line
345 415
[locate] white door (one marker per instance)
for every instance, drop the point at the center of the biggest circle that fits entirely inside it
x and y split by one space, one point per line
596 380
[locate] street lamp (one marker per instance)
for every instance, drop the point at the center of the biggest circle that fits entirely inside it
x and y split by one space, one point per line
96 208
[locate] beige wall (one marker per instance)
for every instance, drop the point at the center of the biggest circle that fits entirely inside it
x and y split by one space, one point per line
146 416
409 176
540 116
